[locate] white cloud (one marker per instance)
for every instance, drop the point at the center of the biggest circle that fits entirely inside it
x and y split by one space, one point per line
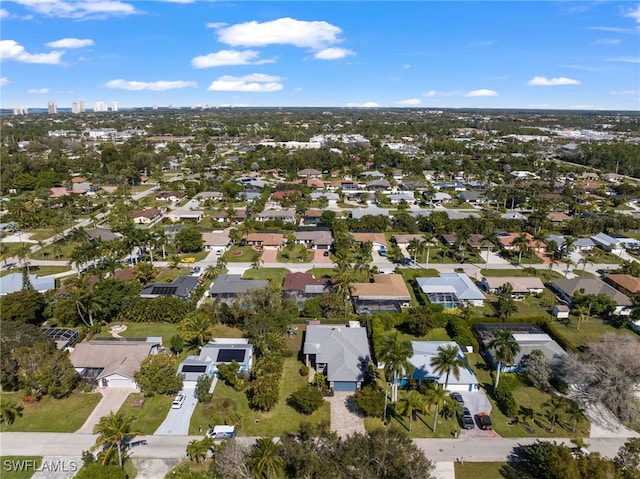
153 86
482 92
544 81
38 91
228 57
4 81
81 9
406 66
409 102
607 41
434 93
12 50
216 25
625 59
484 43
368 104
254 83
610 29
4 13
315 35
635 14
71 43
333 53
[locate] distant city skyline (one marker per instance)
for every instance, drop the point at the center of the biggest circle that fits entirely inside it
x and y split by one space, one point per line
120 54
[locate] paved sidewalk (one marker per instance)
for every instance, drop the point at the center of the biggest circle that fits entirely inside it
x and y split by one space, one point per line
112 400
154 468
58 467
345 420
444 470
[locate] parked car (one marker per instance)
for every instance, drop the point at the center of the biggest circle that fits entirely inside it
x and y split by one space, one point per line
484 421
178 401
457 397
196 271
221 432
466 420
326 253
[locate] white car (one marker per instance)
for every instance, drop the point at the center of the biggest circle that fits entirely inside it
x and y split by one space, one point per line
178 401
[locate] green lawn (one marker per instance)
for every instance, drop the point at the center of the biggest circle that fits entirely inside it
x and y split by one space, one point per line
166 331
50 251
37 270
228 403
19 467
544 274
526 397
168 275
41 234
52 415
150 415
274 275
298 254
238 254
591 330
321 272
479 470
199 256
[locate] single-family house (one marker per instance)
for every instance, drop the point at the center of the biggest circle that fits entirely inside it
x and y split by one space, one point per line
378 185
558 217
331 197
388 292
358 213
475 240
528 336
268 241
217 241
185 215
288 215
170 196
625 283
340 353
103 234
522 286
13 282
607 243
473 197
399 197
451 290
298 287
312 216
144 217
315 239
567 288
215 352
209 195
112 363
423 371
309 173
377 240
227 287
404 240
181 288
440 197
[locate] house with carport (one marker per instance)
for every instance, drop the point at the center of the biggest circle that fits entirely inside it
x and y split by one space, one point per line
341 353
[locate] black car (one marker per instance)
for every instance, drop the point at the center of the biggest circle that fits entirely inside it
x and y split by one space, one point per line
457 397
466 420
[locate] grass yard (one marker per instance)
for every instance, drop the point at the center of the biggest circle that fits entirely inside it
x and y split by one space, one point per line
165 330
41 234
421 426
150 415
241 254
298 254
274 275
58 251
479 470
591 330
321 272
168 275
544 274
37 270
52 415
233 406
526 397
19 467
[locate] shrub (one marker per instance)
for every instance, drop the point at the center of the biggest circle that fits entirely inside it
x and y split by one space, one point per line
306 400
559 385
506 402
304 370
370 400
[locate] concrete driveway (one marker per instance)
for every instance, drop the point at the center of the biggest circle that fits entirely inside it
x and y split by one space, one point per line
112 400
476 401
177 421
345 418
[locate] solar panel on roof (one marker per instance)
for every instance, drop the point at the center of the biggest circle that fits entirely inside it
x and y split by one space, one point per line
164 290
193 368
228 355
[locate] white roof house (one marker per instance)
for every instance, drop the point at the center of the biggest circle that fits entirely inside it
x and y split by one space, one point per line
424 352
451 290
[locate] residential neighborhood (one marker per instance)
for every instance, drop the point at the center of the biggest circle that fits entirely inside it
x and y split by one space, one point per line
425 275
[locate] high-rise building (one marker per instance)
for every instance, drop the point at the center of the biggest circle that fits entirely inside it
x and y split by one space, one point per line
114 106
82 110
75 108
52 107
20 110
99 106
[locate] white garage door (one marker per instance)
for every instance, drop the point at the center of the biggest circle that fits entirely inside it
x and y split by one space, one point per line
121 383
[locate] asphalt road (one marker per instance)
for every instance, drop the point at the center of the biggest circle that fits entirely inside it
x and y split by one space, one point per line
169 447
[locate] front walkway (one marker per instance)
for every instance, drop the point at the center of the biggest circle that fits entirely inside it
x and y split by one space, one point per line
345 419
112 400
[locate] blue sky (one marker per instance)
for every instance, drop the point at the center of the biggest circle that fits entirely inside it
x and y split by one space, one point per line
565 54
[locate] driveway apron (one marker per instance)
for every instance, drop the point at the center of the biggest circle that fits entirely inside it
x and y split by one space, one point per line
345 419
112 400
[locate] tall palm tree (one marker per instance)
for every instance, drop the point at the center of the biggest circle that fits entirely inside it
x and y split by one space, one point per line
505 349
521 244
413 247
196 328
447 361
553 407
114 432
438 398
87 304
582 311
585 261
197 450
342 284
265 460
24 253
410 405
426 244
492 238
395 353
575 413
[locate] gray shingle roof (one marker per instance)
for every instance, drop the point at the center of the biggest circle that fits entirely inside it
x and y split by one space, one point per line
234 284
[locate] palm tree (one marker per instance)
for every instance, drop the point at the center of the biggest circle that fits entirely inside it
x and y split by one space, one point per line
394 353
197 450
521 244
196 328
553 407
265 460
410 405
114 431
343 280
446 362
438 398
575 413
9 411
492 238
528 415
86 302
584 262
413 247
24 253
426 243
504 348
211 272
462 243
145 272
582 311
